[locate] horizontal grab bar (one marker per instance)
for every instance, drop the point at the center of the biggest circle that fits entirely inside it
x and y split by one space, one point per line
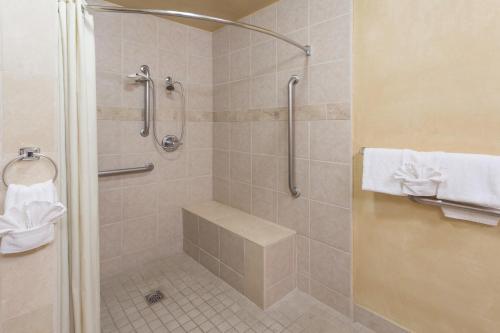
116 172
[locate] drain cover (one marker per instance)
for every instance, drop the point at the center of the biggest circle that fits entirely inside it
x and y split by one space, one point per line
154 297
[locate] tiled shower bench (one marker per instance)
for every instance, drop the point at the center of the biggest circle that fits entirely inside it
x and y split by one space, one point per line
254 256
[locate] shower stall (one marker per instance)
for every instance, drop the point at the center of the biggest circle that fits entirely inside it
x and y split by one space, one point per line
249 116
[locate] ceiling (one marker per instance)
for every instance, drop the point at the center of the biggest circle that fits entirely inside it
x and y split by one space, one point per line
227 9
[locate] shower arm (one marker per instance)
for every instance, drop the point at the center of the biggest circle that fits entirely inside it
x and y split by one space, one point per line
161 12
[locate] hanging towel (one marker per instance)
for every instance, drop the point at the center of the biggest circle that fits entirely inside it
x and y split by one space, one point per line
30 214
18 195
379 165
420 173
472 179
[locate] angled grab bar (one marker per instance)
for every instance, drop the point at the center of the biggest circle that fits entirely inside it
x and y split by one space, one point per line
291 137
116 172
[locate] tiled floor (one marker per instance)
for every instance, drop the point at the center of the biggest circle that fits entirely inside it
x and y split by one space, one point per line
197 301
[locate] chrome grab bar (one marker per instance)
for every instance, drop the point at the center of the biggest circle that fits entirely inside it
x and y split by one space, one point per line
291 137
116 172
147 100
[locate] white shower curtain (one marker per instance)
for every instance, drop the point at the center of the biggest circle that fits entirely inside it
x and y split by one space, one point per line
79 275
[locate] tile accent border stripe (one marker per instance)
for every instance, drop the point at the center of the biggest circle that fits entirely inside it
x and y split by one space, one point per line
337 111
376 322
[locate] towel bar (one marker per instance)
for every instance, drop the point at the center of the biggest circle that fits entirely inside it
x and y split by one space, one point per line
28 154
433 201
116 172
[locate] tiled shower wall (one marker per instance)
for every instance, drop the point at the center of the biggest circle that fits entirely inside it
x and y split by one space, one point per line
140 214
251 72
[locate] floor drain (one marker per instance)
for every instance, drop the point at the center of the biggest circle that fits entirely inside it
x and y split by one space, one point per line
154 297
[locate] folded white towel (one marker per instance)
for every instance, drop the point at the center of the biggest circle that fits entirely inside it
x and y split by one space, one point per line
419 173
19 195
379 165
30 212
473 179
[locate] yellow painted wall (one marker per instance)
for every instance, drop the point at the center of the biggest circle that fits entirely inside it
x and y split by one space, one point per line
427 77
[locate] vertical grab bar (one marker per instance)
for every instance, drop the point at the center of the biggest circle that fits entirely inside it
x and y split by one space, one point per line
147 100
291 137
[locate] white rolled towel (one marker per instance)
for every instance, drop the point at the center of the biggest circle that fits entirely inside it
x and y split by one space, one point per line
30 214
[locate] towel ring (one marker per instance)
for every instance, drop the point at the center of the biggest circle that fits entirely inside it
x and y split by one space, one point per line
29 154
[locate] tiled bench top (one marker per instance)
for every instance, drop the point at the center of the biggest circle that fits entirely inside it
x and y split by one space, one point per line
250 227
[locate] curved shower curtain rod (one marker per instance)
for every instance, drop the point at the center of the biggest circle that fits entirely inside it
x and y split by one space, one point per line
305 48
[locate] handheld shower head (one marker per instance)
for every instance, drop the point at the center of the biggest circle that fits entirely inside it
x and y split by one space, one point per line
143 76
139 77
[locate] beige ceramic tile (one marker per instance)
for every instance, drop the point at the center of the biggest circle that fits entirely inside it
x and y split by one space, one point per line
331 298
220 41
264 171
139 234
240 167
200 162
190 226
292 15
293 213
208 237
141 29
279 261
264 137
221 135
331 267
221 190
239 38
264 203
254 273
200 42
233 278
280 290
240 136
331 141
211 263
221 69
110 240
222 97
240 64
331 183
241 196
192 250
264 58
172 37
232 250
302 254
221 164
321 10
322 89
139 201
240 95
331 40
331 225
263 91
110 206
266 18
